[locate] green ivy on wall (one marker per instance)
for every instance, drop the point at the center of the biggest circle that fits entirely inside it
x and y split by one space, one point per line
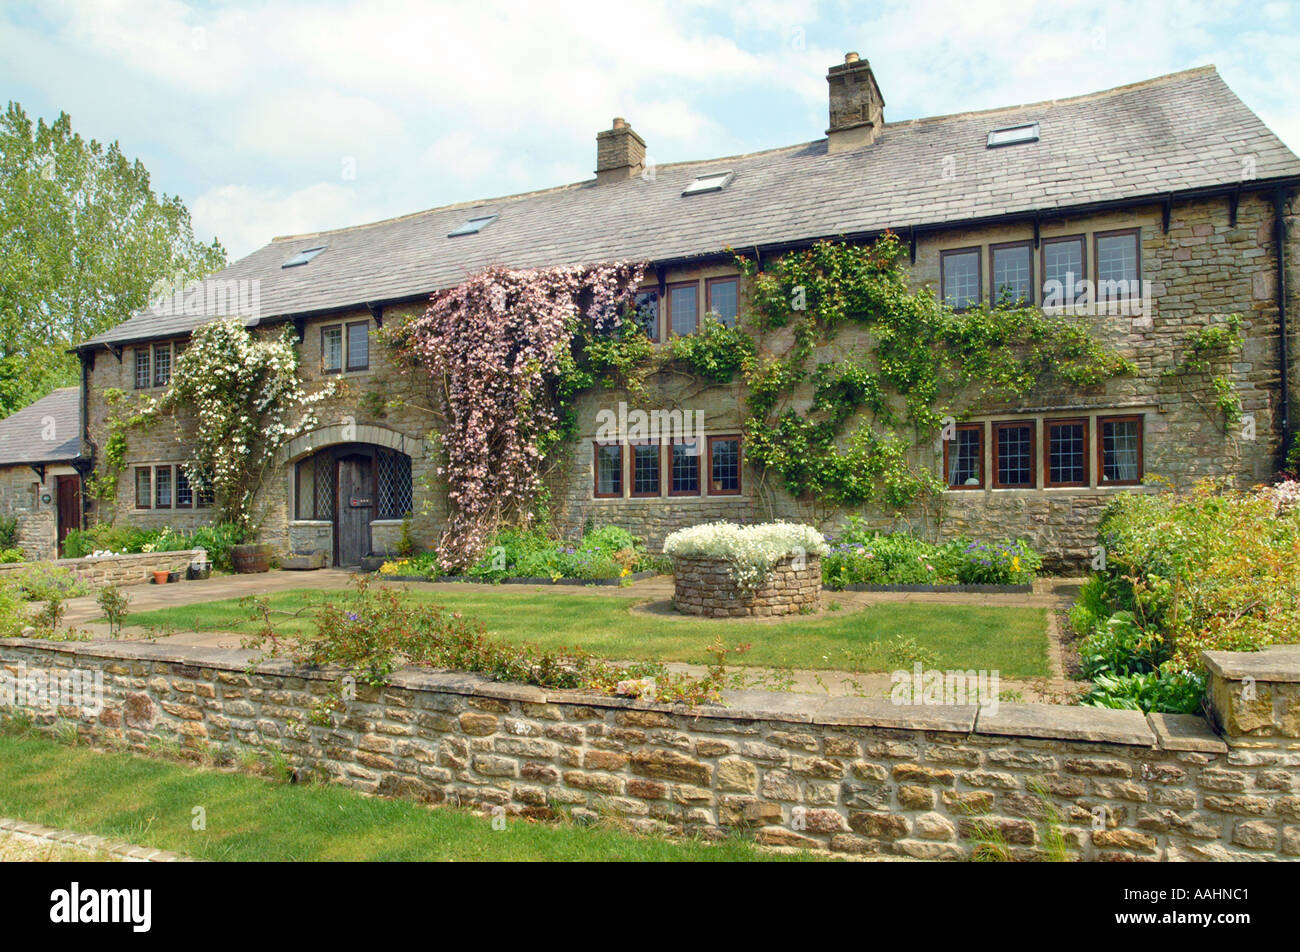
853 442
1210 349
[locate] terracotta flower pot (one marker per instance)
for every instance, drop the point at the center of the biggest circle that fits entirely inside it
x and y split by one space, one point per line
160 577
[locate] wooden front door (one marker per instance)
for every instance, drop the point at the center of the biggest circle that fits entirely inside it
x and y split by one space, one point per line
68 498
356 506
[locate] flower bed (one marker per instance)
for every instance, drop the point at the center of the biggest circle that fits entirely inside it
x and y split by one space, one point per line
606 555
1213 569
722 570
859 559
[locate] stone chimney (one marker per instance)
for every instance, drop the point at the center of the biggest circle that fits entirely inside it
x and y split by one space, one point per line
620 153
857 108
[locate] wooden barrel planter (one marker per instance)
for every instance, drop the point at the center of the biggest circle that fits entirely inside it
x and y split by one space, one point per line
704 586
251 558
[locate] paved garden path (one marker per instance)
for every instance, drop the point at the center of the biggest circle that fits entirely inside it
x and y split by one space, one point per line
1054 595
32 842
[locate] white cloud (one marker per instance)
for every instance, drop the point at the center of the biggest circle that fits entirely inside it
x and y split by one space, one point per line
246 217
251 111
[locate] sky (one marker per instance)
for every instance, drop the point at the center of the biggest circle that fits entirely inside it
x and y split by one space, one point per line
279 118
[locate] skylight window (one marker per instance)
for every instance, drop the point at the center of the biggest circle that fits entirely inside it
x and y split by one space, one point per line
713 182
303 256
473 226
1013 135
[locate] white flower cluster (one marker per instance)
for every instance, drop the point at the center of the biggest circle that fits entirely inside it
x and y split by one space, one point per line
752 551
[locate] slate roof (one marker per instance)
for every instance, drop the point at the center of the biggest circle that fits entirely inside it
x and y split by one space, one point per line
22 435
1175 133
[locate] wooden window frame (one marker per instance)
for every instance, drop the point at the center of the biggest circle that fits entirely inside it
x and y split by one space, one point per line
666 312
979 275
1101 448
699 479
171 487
595 470
1047 452
343 357
171 364
1032 426
708 295
135 475
947 445
631 473
147 351
740 464
659 316
347 346
1082 240
176 489
1027 243
1096 257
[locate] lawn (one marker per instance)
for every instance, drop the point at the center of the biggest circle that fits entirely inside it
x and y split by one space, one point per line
151 802
881 637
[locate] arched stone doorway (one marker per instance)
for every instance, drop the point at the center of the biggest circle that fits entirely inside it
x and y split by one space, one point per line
354 489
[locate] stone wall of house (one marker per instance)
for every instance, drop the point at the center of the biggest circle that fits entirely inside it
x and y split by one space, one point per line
378 398
857 776
132 569
20 496
1203 268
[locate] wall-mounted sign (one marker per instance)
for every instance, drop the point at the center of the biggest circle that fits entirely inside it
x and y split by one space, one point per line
360 502
46 499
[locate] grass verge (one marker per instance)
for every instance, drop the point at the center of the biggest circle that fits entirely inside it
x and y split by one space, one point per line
151 802
878 638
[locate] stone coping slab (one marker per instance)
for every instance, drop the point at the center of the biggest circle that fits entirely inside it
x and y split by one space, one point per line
1186 732
1046 721
1274 663
1061 722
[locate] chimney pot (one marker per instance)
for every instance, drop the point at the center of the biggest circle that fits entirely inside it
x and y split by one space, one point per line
857 110
620 152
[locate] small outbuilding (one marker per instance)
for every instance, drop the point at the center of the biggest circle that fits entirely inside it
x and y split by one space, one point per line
41 464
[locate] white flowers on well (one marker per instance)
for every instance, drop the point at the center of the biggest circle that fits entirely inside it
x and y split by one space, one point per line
752 551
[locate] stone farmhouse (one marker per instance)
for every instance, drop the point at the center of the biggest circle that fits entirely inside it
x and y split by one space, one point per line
1171 186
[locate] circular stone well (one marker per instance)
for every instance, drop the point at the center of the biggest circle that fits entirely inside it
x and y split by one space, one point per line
703 586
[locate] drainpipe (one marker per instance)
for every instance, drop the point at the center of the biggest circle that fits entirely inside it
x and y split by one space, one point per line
1279 227
85 465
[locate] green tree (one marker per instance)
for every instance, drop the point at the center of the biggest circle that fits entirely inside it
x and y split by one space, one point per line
83 237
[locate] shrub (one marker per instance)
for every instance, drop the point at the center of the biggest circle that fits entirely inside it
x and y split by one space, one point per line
862 556
371 632
217 540
113 602
604 552
1215 569
10 556
8 532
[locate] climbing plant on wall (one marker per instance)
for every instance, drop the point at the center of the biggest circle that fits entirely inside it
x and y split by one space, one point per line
247 398
864 407
508 352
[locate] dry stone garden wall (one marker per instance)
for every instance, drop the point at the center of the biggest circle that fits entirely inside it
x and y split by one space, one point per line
704 586
858 776
131 569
